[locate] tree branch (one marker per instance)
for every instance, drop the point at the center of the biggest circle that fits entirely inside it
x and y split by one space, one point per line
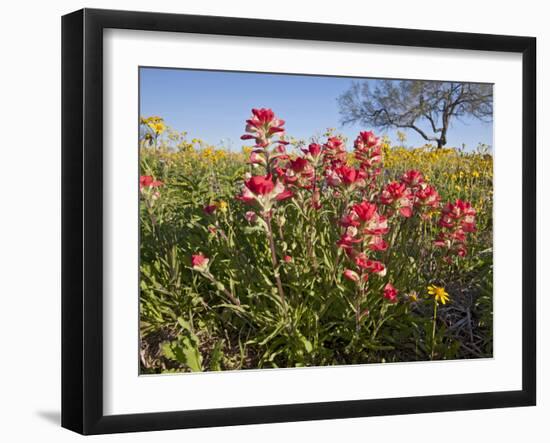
420 131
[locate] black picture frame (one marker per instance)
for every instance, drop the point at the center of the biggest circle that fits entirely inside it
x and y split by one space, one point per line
82 218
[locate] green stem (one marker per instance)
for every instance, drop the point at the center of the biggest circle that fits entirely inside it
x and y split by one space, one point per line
433 329
357 312
220 286
151 215
275 262
359 299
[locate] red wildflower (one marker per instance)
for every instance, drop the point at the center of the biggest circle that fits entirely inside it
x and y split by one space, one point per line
412 178
390 293
313 149
365 211
350 220
351 275
427 196
460 212
461 250
334 150
246 195
263 190
298 172
347 175
283 195
199 261
260 185
146 181
399 197
262 126
347 241
299 164
378 225
363 218
257 159
456 220
210 209
366 214
372 266
377 243
366 139
368 149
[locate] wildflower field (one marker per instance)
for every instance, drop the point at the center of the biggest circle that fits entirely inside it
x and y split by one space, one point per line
295 253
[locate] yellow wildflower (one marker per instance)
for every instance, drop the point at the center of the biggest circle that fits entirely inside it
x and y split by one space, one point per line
439 293
222 205
158 127
412 296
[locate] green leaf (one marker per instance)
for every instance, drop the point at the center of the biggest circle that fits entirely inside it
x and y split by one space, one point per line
307 344
184 324
184 351
216 357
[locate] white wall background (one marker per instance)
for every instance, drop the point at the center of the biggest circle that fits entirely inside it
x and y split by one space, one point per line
30 219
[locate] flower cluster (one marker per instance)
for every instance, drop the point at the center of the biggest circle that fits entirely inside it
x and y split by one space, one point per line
266 190
327 167
398 197
456 221
423 194
410 192
364 228
368 153
297 173
154 123
368 150
346 176
334 151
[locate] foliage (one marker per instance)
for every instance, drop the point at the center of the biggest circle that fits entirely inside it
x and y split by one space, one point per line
285 255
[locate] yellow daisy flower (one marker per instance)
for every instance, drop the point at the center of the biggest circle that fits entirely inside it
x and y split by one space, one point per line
439 293
222 205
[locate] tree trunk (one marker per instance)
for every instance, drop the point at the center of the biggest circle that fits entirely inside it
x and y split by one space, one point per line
442 141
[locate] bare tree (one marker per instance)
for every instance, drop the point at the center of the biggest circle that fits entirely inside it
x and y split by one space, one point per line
388 104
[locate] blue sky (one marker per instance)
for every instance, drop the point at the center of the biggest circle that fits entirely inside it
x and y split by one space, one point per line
213 106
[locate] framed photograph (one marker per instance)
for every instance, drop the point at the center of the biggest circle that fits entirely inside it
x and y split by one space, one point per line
269 221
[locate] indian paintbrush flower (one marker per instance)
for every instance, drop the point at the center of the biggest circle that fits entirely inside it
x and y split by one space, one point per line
351 275
199 261
399 197
390 293
262 126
